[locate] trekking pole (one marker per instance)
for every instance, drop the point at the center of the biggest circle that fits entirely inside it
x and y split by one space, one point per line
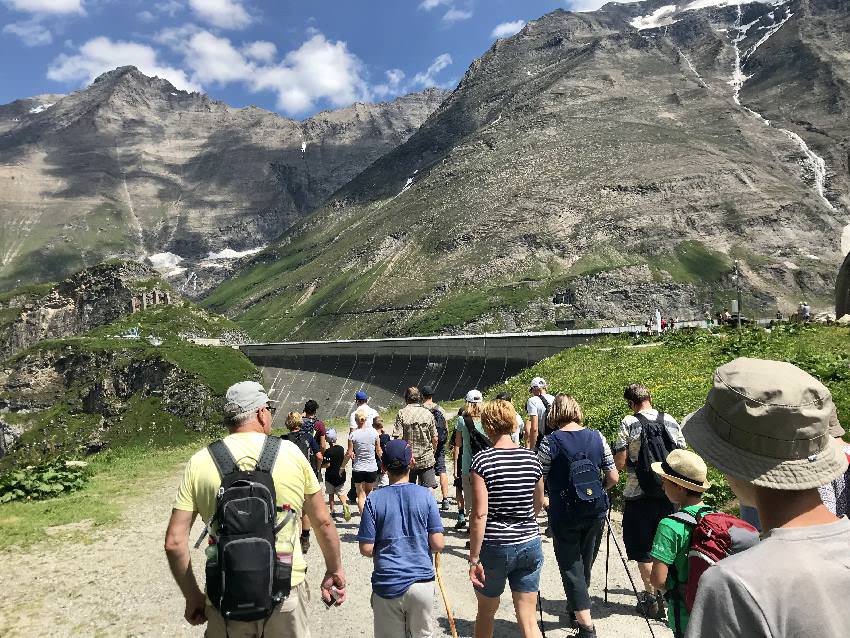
607 551
445 597
540 609
628 573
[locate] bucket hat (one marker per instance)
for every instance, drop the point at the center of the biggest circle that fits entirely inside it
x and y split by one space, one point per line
684 468
767 423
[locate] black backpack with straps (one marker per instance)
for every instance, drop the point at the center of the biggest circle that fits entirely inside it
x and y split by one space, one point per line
245 581
542 425
655 444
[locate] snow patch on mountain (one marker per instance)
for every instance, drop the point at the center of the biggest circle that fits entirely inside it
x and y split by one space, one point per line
661 17
229 253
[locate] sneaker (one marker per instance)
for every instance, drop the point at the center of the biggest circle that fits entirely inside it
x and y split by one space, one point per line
646 605
444 505
461 524
586 632
661 613
305 544
346 512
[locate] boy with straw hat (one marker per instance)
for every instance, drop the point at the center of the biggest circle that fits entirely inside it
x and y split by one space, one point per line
765 425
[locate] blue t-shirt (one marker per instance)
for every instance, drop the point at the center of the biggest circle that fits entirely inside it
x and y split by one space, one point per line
398 519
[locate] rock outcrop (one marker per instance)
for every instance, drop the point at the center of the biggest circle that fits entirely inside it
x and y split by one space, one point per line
93 297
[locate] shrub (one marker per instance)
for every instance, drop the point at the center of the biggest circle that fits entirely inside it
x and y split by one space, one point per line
34 482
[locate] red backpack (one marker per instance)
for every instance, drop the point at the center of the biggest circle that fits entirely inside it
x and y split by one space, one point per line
714 537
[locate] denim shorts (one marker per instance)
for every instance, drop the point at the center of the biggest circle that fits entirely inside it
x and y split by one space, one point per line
519 564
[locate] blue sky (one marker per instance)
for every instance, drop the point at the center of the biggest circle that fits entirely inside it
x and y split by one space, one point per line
296 57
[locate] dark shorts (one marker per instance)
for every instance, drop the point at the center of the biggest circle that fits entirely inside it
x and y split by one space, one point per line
358 476
640 520
424 476
440 459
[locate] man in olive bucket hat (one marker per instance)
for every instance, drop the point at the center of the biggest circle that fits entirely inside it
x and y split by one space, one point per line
765 425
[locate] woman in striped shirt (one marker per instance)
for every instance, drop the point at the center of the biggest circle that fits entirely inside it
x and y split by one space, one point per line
505 544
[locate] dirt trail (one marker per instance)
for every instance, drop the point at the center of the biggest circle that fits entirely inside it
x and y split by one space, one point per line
117 584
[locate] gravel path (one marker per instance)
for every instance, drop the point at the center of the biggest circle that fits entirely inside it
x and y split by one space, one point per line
118 584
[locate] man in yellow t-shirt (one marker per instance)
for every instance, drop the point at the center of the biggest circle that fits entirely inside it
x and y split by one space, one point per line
249 418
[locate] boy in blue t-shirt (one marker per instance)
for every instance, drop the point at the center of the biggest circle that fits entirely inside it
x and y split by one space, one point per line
399 529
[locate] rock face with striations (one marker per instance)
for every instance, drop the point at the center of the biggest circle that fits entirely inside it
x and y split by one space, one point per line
130 166
614 161
91 298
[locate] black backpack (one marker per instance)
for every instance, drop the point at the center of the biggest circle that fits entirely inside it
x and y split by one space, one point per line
302 440
581 489
655 444
542 427
442 428
244 580
477 441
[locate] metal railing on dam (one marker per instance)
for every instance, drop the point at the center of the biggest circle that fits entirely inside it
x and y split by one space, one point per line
332 371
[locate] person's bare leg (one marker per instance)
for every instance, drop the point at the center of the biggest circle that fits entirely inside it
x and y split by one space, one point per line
361 497
444 485
331 503
525 606
484 617
645 570
584 618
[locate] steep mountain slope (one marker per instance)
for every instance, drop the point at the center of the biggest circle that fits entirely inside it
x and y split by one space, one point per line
130 166
613 161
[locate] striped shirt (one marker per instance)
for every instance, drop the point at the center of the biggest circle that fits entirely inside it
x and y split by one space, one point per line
510 475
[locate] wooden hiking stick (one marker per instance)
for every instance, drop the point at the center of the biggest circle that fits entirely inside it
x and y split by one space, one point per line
443 592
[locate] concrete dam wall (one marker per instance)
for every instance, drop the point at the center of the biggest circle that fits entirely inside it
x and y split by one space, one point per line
332 371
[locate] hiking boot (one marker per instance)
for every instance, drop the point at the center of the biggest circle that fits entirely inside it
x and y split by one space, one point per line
661 614
461 524
586 632
346 512
444 505
305 544
646 604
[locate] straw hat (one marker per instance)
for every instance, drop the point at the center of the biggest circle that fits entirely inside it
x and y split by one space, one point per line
684 468
767 423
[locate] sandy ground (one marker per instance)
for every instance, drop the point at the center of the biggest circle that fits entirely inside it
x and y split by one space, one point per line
117 583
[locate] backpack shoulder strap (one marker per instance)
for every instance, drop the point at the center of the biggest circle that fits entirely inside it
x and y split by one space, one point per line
660 418
641 419
268 455
545 403
223 459
684 517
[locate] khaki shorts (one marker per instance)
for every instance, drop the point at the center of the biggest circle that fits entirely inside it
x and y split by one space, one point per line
289 619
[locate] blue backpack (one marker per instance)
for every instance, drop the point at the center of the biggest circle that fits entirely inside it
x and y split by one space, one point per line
575 475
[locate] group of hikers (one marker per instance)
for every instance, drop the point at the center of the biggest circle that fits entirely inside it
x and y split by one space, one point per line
770 428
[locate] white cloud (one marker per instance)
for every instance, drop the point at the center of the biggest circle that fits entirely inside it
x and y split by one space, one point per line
215 60
507 29
31 32
102 54
260 51
427 5
177 37
456 15
392 86
426 78
146 16
46 6
225 14
169 7
318 69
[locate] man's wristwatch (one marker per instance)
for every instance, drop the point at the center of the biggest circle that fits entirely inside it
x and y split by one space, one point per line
473 563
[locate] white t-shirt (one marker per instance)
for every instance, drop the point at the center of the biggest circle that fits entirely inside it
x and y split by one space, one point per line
370 411
519 427
363 442
535 407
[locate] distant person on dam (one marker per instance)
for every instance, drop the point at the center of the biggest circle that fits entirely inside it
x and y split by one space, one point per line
646 436
248 418
765 426
441 421
361 402
416 425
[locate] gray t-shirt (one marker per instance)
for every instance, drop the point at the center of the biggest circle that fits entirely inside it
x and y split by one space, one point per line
536 407
363 441
792 584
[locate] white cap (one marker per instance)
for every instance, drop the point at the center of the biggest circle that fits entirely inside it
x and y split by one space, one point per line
245 396
330 435
538 382
474 396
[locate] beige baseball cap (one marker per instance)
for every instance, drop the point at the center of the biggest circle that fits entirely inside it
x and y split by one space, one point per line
767 423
